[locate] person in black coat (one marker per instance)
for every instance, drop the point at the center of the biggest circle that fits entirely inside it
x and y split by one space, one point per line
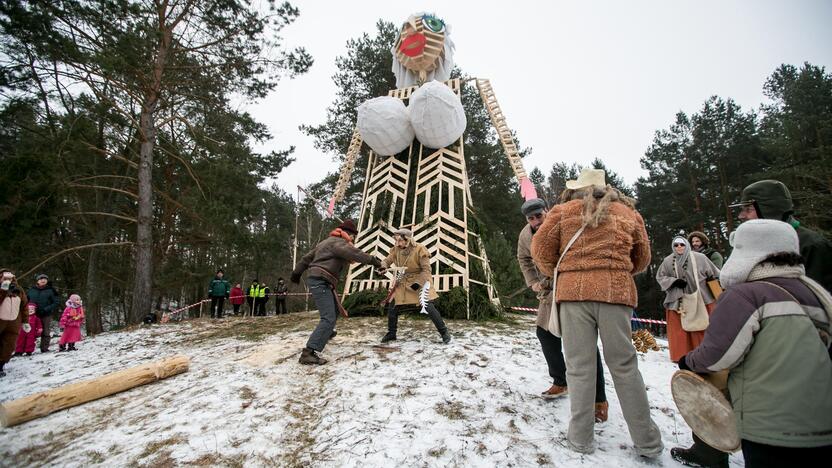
46 298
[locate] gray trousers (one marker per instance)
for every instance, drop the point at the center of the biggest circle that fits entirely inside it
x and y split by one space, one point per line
581 323
325 301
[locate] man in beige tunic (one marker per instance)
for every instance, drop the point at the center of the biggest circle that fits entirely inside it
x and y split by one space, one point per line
416 261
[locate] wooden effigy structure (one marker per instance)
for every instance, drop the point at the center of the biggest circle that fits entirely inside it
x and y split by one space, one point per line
426 190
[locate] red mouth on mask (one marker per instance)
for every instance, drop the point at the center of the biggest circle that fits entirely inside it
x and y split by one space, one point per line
413 45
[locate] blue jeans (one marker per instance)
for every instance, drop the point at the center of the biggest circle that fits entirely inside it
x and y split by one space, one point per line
324 297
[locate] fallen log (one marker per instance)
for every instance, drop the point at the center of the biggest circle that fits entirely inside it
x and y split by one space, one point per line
47 402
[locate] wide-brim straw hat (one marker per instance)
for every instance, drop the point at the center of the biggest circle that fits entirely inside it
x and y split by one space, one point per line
588 178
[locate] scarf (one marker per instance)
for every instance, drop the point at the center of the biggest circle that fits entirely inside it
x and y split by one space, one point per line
338 232
680 260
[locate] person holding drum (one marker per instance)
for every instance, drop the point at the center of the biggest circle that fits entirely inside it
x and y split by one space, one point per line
771 329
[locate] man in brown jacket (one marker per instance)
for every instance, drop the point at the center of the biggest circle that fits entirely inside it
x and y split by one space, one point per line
325 263
416 261
535 212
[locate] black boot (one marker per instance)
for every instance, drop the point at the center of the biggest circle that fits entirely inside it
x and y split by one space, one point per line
61 348
700 454
388 337
72 347
446 337
309 356
334 334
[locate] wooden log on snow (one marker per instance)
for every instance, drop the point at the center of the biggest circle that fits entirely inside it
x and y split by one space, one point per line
41 404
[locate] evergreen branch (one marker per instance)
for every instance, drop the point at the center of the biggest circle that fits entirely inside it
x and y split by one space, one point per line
104 187
101 213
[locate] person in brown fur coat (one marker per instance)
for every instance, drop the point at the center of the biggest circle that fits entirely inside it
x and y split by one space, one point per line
12 315
596 293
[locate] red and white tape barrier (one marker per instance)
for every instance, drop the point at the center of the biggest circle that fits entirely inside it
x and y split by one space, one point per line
634 319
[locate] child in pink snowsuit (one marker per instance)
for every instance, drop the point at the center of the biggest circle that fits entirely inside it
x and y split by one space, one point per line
71 323
27 337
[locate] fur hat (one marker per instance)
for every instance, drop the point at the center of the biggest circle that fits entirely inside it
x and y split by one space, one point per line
702 237
533 206
348 226
753 242
406 233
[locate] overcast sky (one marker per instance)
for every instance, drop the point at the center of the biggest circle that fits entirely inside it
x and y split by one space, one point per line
576 80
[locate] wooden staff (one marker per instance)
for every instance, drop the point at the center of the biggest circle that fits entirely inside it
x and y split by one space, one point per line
44 403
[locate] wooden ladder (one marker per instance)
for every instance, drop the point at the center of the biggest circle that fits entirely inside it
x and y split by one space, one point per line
504 133
347 167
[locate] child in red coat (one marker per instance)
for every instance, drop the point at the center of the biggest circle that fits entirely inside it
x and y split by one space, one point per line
29 332
71 323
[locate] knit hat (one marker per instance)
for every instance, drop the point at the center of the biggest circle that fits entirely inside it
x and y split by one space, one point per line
702 237
406 233
753 242
771 199
348 226
533 206
74 300
41 276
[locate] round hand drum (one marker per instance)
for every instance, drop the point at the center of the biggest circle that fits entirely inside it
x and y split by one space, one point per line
706 410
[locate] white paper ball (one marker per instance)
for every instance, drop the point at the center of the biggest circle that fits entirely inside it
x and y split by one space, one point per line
437 115
384 124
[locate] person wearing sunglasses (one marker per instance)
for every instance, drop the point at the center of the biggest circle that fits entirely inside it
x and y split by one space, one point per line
676 278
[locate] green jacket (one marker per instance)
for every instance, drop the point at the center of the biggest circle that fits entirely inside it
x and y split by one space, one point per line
219 288
816 251
714 256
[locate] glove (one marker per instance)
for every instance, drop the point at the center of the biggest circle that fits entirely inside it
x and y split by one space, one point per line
683 364
294 278
415 286
376 263
680 283
26 327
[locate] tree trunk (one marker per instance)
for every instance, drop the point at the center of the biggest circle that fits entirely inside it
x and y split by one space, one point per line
143 283
93 315
142 286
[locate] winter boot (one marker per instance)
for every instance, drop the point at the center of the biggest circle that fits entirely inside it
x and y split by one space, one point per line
388 337
700 454
17 354
602 411
334 334
28 354
446 337
61 348
309 356
72 347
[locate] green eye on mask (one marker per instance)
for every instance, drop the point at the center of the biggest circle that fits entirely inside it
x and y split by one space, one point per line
433 23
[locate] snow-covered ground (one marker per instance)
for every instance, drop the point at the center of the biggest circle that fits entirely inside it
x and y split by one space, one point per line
247 402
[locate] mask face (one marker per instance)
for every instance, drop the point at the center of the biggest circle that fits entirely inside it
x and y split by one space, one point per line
421 42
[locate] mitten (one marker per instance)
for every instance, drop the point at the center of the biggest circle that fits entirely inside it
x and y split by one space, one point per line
26 327
680 283
683 364
295 278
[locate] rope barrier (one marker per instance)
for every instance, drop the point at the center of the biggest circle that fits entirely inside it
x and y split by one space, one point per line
634 319
205 301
